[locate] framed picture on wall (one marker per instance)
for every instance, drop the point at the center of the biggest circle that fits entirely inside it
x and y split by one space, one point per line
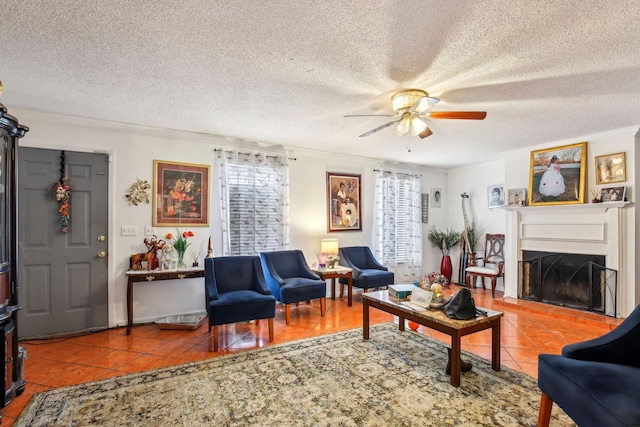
610 168
343 202
495 196
180 194
436 197
557 175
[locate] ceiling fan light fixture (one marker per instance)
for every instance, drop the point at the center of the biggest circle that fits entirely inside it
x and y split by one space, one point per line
405 99
403 126
417 126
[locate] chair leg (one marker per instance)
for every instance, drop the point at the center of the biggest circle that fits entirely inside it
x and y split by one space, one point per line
323 306
483 282
215 337
257 321
468 280
493 286
270 321
544 415
341 290
287 313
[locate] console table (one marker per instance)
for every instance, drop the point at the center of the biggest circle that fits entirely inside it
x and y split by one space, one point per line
134 276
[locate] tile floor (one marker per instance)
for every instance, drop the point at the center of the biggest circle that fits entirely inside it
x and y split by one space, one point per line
527 330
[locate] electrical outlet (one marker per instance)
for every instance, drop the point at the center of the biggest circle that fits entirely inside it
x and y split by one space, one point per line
149 231
128 230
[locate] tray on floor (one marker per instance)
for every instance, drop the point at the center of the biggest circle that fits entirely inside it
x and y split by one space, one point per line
181 321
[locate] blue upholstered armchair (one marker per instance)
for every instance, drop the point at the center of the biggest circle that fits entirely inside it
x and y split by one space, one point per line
236 291
596 382
291 280
367 271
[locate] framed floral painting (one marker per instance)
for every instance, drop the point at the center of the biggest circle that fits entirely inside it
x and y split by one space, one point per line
557 175
180 194
343 197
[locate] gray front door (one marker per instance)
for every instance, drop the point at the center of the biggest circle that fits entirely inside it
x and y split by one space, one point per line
62 277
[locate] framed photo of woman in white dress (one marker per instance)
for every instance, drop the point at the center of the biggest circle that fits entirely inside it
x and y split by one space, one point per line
557 175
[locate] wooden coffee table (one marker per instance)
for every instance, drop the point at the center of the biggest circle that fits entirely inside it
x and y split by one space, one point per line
436 319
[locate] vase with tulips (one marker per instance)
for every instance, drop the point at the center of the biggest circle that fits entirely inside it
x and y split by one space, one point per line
180 244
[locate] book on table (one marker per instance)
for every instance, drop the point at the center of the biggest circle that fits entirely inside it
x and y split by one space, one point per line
420 300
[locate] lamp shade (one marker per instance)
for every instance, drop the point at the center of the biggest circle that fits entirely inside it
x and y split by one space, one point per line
329 246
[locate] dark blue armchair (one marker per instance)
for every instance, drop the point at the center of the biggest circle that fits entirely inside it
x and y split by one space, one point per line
236 291
595 382
291 280
367 271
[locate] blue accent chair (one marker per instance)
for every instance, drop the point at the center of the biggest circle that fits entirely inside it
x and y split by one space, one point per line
367 271
236 291
595 382
291 280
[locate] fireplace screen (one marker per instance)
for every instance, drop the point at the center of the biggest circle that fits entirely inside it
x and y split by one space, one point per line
569 280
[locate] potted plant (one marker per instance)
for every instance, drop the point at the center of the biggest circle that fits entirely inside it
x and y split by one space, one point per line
445 241
472 236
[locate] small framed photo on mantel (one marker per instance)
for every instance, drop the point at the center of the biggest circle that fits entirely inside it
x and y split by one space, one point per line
517 197
612 194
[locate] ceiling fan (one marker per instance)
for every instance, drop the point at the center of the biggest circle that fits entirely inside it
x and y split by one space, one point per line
411 106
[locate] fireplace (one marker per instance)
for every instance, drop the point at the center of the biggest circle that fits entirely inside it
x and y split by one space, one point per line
594 233
579 281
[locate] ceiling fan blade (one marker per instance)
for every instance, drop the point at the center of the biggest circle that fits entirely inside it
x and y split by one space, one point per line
370 115
466 115
386 125
425 133
423 104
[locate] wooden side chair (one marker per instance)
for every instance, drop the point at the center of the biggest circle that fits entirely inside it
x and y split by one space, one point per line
492 263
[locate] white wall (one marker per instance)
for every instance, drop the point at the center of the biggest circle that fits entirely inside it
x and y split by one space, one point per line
132 150
513 170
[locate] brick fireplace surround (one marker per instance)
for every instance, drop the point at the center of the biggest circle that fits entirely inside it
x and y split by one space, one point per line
590 229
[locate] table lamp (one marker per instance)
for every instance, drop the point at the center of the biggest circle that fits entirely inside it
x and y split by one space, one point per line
330 247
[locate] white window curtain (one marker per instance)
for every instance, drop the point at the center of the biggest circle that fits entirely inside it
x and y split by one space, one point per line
254 200
398 226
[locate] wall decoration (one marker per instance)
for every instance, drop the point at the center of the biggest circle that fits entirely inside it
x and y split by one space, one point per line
495 196
557 175
138 193
180 194
424 200
612 194
516 197
436 197
610 168
343 200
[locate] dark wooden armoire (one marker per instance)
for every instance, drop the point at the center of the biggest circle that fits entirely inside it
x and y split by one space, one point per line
12 381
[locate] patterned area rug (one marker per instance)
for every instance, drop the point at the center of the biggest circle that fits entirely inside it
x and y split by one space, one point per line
393 379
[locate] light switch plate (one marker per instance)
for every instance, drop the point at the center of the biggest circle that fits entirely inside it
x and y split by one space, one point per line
149 231
128 230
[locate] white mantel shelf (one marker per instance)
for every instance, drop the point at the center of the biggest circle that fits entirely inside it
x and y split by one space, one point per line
605 206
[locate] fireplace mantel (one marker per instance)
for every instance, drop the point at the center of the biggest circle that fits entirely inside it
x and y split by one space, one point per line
593 228
597 206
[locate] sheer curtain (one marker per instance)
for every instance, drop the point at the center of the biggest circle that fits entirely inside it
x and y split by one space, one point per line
254 202
398 226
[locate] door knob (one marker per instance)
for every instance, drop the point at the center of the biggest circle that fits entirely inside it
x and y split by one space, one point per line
102 254
100 238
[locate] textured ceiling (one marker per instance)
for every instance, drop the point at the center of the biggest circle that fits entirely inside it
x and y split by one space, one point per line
286 72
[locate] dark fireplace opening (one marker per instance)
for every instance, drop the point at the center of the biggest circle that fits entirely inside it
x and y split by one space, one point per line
569 280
